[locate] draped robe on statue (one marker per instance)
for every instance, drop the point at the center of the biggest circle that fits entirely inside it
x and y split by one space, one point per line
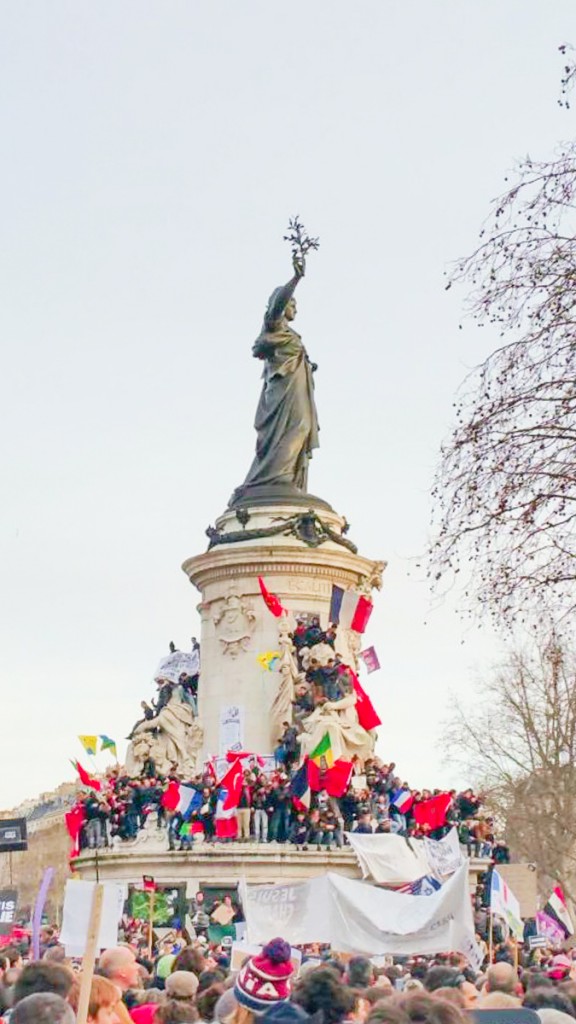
286 419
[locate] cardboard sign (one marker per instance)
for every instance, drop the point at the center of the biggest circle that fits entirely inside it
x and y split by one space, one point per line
78 897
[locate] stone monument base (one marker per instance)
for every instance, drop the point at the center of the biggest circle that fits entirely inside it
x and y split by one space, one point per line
220 864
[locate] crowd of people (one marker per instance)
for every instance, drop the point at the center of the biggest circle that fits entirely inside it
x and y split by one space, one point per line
191 980
268 811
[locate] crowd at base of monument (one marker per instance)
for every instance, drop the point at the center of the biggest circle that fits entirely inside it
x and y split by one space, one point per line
179 982
269 812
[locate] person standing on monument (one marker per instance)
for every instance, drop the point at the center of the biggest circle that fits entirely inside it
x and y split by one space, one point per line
286 419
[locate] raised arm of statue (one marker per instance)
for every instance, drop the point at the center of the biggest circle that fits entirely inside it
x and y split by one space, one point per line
281 297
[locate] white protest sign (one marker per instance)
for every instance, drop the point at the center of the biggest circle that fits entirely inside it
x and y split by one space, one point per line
76 915
173 665
444 855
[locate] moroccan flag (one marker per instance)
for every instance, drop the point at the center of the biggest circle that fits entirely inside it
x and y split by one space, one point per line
432 812
334 780
300 788
556 909
323 750
368 717
86 779
272 603
89 743
107 744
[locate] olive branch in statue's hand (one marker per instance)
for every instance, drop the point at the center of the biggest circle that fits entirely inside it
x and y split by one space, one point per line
300 243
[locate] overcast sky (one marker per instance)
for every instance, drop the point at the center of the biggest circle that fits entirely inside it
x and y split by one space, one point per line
151 154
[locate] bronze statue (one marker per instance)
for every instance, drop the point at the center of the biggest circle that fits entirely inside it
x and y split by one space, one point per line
286 419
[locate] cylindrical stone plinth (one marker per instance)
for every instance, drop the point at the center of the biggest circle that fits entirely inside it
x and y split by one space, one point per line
236 693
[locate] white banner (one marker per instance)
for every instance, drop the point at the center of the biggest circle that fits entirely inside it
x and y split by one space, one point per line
359 918
389 858
395 859
231 728
173 665
444 855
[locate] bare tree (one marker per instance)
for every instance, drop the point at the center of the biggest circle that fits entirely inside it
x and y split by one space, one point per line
505 492
519 742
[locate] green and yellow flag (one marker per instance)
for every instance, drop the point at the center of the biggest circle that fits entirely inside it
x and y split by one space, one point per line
323 750
89 743
107 744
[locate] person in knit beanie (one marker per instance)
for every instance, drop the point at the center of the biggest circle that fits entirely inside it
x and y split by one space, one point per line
263 981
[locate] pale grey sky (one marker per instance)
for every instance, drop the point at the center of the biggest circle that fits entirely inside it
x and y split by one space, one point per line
151 154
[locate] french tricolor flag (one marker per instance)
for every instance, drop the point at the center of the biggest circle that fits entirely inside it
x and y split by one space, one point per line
181 799
402 800
349 609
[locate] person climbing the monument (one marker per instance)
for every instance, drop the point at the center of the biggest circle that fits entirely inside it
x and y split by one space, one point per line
288 749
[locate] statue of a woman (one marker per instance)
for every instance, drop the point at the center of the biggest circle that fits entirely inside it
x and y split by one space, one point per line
286 420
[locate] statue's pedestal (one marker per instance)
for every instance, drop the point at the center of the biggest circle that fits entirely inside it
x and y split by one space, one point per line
221 865
299 556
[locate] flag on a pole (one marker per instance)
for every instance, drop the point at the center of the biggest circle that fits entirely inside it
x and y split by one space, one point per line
370 659
323 750
85 778
181 799
432 812
368 717
349 609
334 780
504 903
271 601
228 797
402 800
556 909
90 744
299 788
107 744
74 819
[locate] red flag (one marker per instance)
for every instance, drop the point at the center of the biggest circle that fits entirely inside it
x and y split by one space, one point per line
432 812
368 717
74 819
272 603
86 779
244 755
334 780
226 828
149 883
171 796
225 819
230 790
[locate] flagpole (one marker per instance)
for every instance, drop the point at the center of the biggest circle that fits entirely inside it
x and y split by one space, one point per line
151 924
490 936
